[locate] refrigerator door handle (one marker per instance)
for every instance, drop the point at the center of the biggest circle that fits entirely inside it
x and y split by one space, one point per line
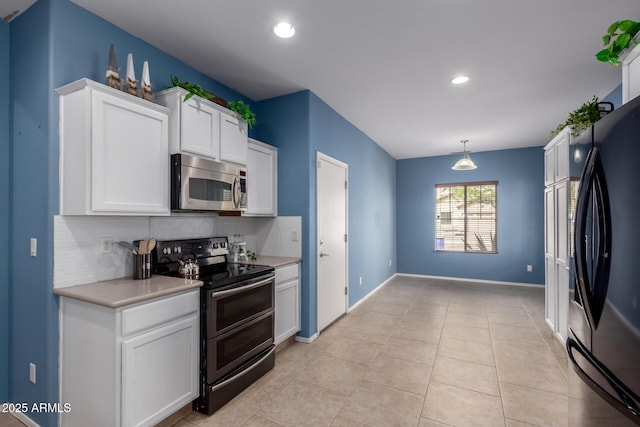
593 186
628 402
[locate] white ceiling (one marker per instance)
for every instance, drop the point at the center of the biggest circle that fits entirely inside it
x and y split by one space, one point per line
386 65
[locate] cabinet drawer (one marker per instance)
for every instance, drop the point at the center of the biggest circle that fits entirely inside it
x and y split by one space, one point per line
286 273
147 316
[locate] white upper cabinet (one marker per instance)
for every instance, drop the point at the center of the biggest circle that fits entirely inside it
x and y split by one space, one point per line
199 130
114 152
556 157
262 179
233 139
204 128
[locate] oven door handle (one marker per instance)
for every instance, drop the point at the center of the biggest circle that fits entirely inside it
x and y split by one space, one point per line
241 288
245 372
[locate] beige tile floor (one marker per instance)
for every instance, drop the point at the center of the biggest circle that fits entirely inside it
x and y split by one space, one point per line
421 353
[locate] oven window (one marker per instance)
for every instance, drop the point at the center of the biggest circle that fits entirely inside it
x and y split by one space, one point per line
210 190
242 306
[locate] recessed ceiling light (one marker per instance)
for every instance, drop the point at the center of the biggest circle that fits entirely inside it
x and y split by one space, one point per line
284 30
460 80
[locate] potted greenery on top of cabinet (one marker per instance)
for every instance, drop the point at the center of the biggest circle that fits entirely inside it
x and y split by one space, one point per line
204 128
113 152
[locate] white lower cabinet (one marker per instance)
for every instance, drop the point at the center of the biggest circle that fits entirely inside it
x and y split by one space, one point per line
131 366
287 313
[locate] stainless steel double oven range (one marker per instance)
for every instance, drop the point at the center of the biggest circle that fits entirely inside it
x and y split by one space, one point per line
237 317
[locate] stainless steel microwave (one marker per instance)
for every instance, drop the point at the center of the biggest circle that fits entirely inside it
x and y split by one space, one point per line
203 185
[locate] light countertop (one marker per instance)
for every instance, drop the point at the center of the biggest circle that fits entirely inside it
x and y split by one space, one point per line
273 261
121 292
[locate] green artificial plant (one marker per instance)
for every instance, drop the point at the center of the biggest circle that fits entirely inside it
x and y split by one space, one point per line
243 111
192 88
618 38
580 119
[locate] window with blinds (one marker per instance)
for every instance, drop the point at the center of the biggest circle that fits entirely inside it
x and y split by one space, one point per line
466 217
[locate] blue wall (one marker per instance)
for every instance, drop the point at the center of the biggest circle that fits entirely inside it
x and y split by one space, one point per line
4 211
300 125
34 310
372 202
284 123
520 179
70 43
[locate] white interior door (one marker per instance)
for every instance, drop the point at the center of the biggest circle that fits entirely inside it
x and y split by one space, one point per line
331 245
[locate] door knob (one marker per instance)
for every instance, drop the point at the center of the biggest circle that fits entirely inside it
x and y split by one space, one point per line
322 255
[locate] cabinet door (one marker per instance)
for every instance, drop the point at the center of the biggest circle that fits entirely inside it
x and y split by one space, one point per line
549 257
287 317
549 165
200 129
562 299
561 208
129 157
550 293
159 372
562 155
233 139
262 180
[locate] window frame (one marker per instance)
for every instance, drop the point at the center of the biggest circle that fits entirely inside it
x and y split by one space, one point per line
465 185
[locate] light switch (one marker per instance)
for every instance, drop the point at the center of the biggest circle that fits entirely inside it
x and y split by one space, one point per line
33 247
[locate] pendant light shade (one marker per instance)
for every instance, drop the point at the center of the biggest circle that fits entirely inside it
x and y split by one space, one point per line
465 163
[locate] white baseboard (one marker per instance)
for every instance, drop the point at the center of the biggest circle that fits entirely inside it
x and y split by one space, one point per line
462 279
363 299
314 336
307 340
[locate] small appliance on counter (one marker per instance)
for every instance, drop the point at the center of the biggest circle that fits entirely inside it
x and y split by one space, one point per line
141 250
236 315
238 248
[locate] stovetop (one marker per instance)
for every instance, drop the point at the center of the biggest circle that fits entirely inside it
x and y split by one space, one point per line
211 255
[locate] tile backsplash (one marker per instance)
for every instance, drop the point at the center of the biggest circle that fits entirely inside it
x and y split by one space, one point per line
78 256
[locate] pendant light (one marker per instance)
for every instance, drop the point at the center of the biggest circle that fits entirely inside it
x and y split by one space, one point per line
465 163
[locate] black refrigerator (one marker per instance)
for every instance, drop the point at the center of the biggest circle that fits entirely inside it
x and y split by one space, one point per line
603 344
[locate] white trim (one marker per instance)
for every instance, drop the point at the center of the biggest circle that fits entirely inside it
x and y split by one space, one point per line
462 279
336 162
361 300
24 419
628 56
307 340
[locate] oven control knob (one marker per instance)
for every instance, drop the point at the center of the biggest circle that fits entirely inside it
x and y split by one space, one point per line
166 251
223 245
179 249
215 246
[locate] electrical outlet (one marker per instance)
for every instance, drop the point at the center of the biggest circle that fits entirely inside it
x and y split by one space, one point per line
32 372
389 263
106 243
529 268
360 280
294 236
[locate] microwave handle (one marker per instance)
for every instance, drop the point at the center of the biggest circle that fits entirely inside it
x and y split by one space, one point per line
236 192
